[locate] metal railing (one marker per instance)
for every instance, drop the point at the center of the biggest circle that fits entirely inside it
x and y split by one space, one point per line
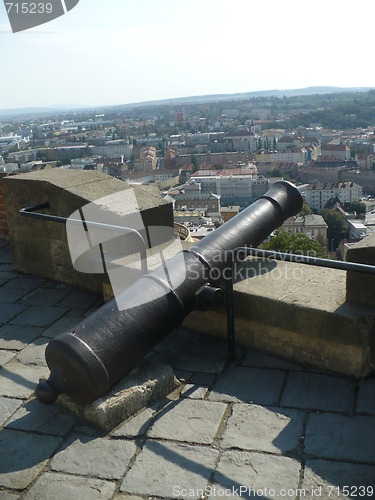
238 255
32 212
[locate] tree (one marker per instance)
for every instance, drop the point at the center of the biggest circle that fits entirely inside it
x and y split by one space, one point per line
358 207
299 244
195 163
306 210
337 226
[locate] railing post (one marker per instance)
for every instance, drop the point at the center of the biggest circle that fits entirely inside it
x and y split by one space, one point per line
230 310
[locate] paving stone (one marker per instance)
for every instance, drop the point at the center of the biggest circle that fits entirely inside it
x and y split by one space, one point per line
7 408
19 381
17 337
45 419
78 313
34 353
5 256
206 345
10 311
258 359
39 316
258 471
8 275
19 468
45 297
341 438
165 469
255 428
5 356
83 456
326 479
88 430
177 339
10 295
366 397
6 495
248 385
195 363
126 497
64 324
24 283
192 391
136 426
79 299
206 379
318 392
62 487
189 420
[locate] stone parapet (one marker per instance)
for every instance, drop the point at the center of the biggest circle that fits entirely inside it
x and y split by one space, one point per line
41 248
300 313
360 287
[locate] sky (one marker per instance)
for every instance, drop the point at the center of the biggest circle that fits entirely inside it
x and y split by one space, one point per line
106 52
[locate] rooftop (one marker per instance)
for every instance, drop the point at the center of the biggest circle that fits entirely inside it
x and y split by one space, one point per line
283 429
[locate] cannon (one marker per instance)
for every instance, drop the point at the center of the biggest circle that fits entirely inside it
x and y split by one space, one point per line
87 362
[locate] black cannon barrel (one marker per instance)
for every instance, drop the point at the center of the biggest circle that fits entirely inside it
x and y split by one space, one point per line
87 362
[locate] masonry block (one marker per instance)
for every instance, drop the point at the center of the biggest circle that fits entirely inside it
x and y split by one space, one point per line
360 287
41 248
300 313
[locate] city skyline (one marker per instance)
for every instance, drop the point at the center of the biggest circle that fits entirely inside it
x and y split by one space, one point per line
110 53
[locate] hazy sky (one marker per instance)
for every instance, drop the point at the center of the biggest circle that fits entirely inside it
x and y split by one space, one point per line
121 51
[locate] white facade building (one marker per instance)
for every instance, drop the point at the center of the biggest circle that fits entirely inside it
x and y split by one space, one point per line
114 151
318 195
237 189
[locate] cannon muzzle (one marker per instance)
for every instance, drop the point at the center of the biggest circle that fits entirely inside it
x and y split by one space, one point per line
87 362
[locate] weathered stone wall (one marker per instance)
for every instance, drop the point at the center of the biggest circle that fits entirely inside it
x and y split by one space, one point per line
300 313
41 248
360 287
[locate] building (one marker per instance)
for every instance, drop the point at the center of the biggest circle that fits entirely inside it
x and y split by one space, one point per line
204 202
356 229
23 156
65 153
297 155
318 195
170 158
228 213
242 140
241 189
365 161
320 174
209 160
113 151
336 151
147 159
311 225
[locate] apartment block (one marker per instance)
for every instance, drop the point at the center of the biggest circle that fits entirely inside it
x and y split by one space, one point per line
318 195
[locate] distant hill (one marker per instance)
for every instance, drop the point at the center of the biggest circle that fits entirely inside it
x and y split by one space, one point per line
248 95
187 100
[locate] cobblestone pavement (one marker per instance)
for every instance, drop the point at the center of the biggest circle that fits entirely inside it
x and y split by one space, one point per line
261 428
